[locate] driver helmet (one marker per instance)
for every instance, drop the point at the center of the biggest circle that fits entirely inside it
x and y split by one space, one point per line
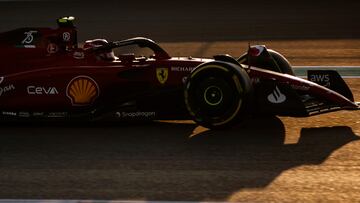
107 54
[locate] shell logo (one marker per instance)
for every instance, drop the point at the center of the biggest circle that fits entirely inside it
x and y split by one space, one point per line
82 90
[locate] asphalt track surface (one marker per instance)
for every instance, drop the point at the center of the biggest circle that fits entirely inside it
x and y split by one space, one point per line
262 160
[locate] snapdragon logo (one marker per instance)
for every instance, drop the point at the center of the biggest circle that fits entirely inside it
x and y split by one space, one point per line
137 114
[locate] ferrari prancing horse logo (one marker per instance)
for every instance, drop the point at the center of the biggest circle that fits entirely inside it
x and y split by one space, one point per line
162 74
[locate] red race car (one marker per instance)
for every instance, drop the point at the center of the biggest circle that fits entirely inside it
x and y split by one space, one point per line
44 74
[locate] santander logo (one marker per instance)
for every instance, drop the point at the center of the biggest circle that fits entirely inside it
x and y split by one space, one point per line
276 97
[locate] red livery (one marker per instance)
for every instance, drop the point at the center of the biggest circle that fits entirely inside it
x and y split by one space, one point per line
45 74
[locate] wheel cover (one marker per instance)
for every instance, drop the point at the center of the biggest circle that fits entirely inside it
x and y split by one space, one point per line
213 95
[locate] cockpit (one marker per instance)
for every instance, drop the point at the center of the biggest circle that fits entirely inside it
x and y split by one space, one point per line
127 51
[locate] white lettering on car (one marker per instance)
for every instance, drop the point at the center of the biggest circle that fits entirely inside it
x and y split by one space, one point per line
300 87
57 114
137 114
28 37
9 113
33 90
24 114
182 69
323 79
6 88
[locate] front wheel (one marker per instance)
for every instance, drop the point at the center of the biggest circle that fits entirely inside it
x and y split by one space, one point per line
217 94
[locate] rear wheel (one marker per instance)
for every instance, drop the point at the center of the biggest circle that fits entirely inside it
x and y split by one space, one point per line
217 93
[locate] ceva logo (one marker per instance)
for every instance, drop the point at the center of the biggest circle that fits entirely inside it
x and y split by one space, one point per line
33 90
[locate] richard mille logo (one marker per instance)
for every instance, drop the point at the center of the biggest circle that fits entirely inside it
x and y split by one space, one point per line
276 96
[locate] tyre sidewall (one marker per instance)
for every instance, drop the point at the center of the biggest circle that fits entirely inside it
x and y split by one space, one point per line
235 85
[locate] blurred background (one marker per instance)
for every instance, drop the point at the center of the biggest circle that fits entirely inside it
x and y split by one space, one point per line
186 21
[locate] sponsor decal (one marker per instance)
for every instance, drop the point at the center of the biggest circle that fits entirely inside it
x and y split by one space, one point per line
184 79
182 69
57 114
52 48
276 97
33 90
300 87
66 36
24 114
82 90
9 113
6 88
38 114
137 114
29 46
79 55
162 74
323 79
29 37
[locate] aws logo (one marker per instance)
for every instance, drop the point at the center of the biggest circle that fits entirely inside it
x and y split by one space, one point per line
82 90
321 79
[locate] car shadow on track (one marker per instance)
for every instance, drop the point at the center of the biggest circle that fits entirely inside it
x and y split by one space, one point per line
155 161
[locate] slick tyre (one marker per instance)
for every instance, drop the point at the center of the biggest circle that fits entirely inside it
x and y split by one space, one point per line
217 94
281 61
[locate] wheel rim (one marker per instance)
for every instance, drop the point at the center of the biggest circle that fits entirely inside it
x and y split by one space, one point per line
213 95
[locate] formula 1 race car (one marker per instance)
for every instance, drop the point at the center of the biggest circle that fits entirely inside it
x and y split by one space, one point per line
45 75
